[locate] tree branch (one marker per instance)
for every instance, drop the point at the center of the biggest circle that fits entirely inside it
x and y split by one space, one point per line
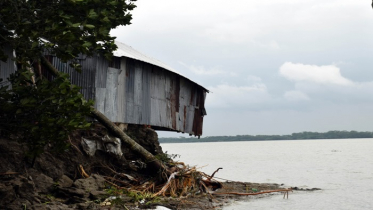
50 67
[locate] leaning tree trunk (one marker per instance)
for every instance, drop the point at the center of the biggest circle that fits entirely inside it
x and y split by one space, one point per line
133 145
154 163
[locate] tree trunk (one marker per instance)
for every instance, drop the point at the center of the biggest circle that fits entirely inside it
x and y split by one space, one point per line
50 67
133 145
149 158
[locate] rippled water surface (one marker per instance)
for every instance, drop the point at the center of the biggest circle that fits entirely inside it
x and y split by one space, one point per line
342 168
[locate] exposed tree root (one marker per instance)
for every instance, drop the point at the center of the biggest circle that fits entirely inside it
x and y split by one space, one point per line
212 176
126 184
74 146
9 173
167 185
82 172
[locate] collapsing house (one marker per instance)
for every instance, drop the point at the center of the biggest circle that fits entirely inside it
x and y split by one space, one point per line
134 89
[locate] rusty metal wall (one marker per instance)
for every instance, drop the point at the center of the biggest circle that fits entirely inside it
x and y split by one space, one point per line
141 93
8 67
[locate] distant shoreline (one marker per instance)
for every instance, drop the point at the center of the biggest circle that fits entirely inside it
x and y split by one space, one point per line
294 136
195 141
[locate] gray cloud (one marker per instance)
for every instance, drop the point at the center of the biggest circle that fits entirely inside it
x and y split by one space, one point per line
273 67
329 74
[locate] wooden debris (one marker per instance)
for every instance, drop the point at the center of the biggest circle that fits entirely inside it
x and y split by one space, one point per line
166 186
257 193
209 178
82 172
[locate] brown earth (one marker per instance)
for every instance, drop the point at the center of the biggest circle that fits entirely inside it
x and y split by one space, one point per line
57 181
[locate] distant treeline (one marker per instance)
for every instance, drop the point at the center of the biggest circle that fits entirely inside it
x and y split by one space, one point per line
293 136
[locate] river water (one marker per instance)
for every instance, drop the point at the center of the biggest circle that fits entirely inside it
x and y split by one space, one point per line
342 168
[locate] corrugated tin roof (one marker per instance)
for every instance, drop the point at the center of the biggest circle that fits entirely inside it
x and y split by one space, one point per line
127 51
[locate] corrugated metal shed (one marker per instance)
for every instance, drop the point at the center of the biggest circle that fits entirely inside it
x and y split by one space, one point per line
152 95
136 89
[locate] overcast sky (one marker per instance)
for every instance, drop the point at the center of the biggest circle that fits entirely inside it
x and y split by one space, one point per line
272 66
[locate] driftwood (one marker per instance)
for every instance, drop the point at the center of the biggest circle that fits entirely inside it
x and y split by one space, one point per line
166 186
286 192
82 172
154 163
212 183
213 174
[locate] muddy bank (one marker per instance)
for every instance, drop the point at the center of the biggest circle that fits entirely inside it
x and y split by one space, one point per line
75 180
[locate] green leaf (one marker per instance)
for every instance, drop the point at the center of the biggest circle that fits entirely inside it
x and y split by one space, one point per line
114 3
34 128
106 19
89 26
25 101
92 14
35 44
87 44
103 31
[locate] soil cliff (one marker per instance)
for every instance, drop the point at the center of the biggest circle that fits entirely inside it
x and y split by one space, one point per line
57 180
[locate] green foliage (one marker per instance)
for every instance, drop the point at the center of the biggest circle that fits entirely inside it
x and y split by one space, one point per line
44 113
71 27
47 111
114 191
146 198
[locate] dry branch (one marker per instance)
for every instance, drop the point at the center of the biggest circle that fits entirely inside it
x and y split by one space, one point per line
82 172
73 145
212 176
166 186
117 180
123 175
